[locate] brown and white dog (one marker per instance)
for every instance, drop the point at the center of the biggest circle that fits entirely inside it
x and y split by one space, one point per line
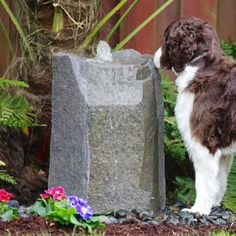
206 104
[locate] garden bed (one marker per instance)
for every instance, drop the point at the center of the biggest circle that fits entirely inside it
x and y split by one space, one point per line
55 213
35 225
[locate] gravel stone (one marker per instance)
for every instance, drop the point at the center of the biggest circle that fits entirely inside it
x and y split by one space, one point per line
120 214
13 203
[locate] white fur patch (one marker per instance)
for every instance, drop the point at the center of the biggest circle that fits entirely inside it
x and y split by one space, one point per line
157 58
184 104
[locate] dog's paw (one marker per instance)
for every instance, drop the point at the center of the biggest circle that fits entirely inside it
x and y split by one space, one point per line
190 210
200 210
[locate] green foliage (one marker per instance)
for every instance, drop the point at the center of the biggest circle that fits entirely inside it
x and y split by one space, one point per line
185 189
18 27
229 200
4 176
59 211
118 23
230 196
229 48
15 110
174 145
100 24
58 20
7 213
221 233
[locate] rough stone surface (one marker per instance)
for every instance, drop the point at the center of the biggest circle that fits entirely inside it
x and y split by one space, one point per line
107 131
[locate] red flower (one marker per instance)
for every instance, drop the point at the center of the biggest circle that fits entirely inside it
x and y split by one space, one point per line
5 196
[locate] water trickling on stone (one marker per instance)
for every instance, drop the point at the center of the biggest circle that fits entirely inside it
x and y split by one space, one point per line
104 51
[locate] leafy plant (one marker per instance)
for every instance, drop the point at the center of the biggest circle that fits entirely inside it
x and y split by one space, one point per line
185 189
7 212
4 176
229 48
15 110
55 205
174 145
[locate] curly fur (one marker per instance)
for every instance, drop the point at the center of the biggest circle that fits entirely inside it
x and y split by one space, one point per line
206 103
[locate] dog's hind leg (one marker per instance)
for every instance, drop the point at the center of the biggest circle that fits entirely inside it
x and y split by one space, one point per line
225 167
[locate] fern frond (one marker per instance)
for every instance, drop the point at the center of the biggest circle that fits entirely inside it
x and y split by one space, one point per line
4 83
185 189
15 110
4 176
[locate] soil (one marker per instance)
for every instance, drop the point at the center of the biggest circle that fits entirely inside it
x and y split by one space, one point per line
35 225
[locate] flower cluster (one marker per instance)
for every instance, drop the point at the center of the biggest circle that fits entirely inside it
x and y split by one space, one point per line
5 196
56 193
81 206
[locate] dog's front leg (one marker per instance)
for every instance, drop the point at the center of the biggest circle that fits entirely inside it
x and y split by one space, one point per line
207 182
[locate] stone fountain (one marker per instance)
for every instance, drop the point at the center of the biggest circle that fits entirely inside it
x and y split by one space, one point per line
107 130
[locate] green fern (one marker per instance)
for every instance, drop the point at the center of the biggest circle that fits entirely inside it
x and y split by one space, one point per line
174 145
15 110
185 189
4 83
4 176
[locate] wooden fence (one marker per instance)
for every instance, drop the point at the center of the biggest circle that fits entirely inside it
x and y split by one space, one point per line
220 13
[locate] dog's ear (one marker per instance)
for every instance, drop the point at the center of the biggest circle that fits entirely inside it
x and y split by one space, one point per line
182 48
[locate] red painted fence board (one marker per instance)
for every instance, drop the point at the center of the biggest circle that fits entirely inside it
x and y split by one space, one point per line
226 22
204 9
146 39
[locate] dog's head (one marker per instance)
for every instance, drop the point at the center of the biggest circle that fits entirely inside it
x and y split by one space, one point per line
185 40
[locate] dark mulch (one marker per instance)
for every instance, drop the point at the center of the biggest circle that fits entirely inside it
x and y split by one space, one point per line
35 225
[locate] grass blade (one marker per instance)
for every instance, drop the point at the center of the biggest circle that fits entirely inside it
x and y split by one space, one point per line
141 26
88 39
118 23
18 28
58 23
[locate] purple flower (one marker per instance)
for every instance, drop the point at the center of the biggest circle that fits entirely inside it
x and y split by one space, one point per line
81 206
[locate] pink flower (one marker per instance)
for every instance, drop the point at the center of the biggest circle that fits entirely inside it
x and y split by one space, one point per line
58 197
5 196
56 193
44 195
